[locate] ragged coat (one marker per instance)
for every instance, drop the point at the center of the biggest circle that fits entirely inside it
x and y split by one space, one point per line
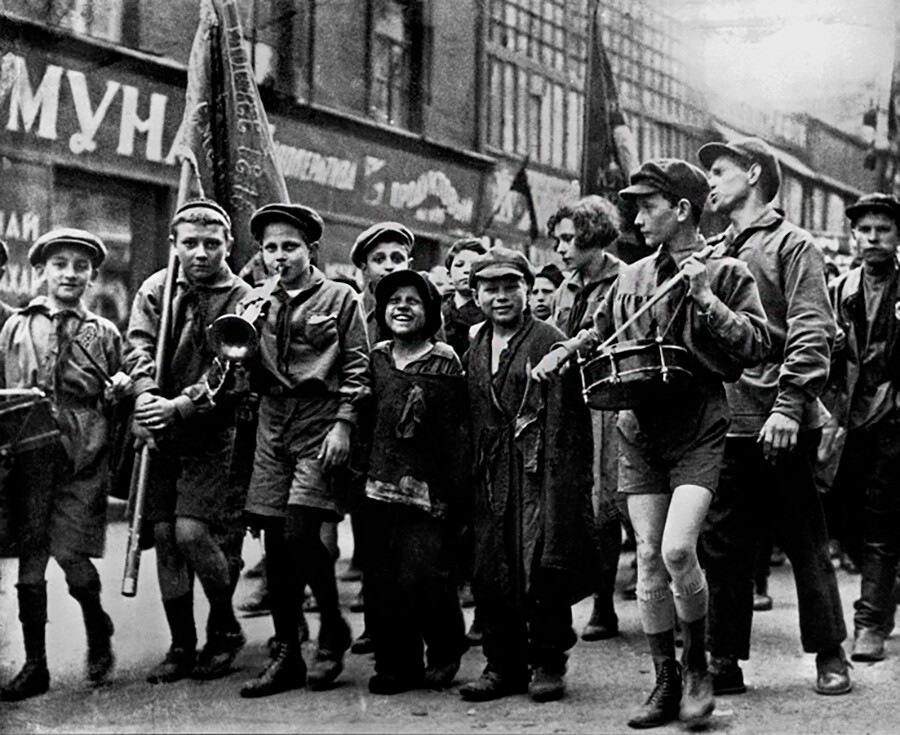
532 453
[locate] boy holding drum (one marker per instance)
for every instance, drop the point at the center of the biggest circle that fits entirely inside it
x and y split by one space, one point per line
58 501
670 452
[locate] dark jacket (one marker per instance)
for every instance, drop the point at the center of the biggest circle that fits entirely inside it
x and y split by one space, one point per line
532 458
790 274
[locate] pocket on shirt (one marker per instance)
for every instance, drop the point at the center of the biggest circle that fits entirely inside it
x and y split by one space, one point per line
321 330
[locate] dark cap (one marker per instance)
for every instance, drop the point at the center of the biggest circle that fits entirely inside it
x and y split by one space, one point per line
669 176
375 234
748 150
498 262
184 211
552 273
431 299
877 202
305 219
67 237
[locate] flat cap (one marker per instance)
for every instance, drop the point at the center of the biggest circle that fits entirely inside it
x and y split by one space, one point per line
185 211
669 176
431 299
552 273
748 150
498 262
877 202
305 219
377 233
67 237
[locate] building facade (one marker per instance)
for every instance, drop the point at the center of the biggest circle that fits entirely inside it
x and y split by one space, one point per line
420 111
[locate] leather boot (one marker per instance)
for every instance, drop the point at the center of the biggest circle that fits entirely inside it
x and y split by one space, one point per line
34 678
868 645
99 629
662 705
285 671
697 702
833 672
328 663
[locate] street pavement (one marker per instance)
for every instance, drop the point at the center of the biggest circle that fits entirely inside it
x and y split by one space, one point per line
606 679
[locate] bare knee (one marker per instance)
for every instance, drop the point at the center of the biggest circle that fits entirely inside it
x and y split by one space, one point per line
679 558
651 570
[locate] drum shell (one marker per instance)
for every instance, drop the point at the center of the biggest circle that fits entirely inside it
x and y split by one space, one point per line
635 375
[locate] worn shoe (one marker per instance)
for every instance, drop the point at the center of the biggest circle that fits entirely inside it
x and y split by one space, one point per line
363 644
664 703
833 672
491 685
600 627
441 677
258 605
388 684
868 645
218 654
328 662
697 701
762 602
285 671
727 677
547 685
178 664
32 680
100 658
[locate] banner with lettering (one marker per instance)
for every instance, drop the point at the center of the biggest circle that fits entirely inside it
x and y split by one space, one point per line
225 132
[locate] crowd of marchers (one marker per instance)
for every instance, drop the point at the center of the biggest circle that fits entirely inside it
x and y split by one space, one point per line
488 427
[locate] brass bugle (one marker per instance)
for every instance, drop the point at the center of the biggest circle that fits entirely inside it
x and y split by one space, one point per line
233 337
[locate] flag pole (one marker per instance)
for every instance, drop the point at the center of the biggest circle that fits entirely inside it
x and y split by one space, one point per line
500 200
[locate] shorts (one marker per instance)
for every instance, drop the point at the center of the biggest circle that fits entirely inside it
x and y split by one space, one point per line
673 444
192 479
286 467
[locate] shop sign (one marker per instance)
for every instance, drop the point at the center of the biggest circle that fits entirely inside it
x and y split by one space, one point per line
24 216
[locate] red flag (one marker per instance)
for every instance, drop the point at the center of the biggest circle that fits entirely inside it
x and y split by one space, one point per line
520 184
224 133
609 153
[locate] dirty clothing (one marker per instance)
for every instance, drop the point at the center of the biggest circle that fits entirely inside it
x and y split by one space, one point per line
313 370
60 490
534 551
419 480
458 320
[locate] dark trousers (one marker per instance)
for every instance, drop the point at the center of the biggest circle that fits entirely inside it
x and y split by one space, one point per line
534 633
752 493
411 596
870 466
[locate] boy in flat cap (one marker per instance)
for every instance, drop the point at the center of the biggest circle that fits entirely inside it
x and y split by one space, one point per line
312 375
57 493
532 484
418 482
192 505
670 451
583 232
768 474
383 248
866 374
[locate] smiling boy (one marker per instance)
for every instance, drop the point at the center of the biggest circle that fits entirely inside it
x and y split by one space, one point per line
58 508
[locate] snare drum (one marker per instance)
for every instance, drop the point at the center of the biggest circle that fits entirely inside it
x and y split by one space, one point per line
635 374
26 422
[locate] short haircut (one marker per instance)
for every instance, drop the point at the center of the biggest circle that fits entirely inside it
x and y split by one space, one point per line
596 221
673 199
197 216
468 243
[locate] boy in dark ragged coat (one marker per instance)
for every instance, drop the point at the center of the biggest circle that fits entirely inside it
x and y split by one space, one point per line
532 490
418 474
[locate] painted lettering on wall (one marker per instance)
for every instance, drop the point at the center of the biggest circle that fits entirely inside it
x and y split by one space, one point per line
431 184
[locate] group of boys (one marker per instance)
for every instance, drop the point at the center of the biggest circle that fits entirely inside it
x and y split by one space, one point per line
490 429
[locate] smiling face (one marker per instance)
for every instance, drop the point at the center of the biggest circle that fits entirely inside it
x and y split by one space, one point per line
404 313
285 251
877 237
657 219
67 270
729 184
385 257
202 249
502 300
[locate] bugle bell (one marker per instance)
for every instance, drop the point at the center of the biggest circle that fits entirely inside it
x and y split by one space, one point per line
233 338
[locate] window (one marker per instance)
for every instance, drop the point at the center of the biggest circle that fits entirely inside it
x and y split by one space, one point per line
98 18
282 45
537 62
399 42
